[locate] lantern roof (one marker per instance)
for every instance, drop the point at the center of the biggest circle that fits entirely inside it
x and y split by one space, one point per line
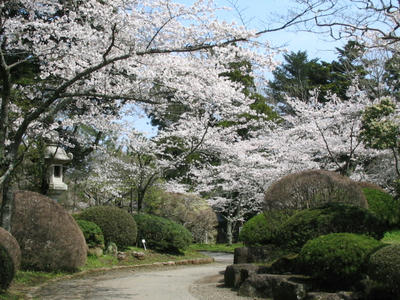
57 154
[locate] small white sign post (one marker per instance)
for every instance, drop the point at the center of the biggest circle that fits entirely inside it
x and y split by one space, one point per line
144 244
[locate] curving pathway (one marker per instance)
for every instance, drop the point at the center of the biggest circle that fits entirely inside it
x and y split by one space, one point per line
176 283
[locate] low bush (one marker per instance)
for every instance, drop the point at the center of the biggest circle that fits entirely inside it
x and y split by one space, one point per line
116 224
262 228
337 259
189 210
383 205
92 233
333 217
384 267
162 234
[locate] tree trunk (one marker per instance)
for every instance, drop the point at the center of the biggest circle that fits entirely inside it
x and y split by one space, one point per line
140 198
229 235
131 201
6 205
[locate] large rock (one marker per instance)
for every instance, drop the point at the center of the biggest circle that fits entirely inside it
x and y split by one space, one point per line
10 258
49 237
246 255
235 275
277 287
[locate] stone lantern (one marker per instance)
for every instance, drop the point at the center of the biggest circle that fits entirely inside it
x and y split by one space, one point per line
56 157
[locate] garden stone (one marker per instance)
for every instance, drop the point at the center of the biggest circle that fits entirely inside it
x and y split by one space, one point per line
121 255
138 255
95 251
278 287
330 296
49 238
235 275
240 255
245 255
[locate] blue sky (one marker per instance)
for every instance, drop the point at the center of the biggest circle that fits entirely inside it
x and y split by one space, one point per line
258 13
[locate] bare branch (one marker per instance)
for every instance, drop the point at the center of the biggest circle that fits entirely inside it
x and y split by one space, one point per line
113 30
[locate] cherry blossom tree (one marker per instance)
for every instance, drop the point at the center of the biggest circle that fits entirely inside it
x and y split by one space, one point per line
99 56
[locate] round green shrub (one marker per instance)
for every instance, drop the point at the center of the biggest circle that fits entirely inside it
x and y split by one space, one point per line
383 205
262 228
332 217
116 224
337 259
384 267
92 233
7 268
162 234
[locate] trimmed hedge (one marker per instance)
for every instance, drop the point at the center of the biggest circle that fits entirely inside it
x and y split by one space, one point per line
384 267
311 189
162 234
48 236
116 224
262 228
333 217
383 205
92 233
337 259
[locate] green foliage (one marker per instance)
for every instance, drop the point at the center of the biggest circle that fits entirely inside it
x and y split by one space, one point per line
216 247
384 267
337 259
92 233
378 130
191 211
391 237
116 224
162 234
7 268
299 75
392 75
240 72
383 205
331 218
262 228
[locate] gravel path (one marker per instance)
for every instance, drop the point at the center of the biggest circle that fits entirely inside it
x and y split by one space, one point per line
162 283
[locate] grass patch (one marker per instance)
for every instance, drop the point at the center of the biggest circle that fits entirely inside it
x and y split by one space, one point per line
107 261
24 280
391 237
216 247
27 279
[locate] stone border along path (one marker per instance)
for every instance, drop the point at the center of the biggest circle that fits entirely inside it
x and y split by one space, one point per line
197 261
